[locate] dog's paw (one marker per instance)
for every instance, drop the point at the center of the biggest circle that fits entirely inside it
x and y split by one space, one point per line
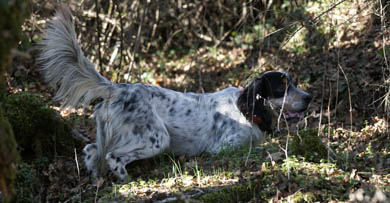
116 165
90 153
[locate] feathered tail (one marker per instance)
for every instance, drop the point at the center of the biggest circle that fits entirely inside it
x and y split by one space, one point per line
64 64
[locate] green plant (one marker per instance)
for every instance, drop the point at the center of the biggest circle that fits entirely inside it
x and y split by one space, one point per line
307 143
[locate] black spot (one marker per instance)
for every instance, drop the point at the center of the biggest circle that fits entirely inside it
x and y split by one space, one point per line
159 94
214 127
152 139
157 146
118 159
116 168
137 92
112 156
174 102
128 119
123 171
130 108
88 157
188 112
172 111
130 105
215 104
148 126
217 116
223 124
123 94
138 130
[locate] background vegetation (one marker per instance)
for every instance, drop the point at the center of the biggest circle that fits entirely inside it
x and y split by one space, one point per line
336 50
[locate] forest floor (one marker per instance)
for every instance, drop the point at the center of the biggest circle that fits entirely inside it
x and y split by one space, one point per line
345 81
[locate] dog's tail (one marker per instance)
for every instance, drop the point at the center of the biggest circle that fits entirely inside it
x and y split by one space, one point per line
64 64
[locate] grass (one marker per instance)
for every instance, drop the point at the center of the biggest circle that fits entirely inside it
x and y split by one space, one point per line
224 177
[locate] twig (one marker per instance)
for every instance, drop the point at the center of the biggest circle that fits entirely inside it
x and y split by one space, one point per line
121 38
137 42
102 17
322 104
113 55
78 170
329 122
98 34
107 33
349 97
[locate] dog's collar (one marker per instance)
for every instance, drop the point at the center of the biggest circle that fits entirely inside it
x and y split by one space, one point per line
248 115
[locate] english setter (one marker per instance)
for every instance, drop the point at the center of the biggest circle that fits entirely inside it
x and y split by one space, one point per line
138 121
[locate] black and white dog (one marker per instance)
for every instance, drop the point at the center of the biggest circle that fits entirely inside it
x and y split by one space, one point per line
138 121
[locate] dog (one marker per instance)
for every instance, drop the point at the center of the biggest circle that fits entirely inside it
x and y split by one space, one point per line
138 121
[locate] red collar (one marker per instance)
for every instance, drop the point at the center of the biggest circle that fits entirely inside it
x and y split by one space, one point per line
248 115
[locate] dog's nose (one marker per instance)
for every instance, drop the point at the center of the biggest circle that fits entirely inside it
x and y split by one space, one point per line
307 98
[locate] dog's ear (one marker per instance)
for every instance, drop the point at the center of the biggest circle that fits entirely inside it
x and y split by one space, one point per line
252 103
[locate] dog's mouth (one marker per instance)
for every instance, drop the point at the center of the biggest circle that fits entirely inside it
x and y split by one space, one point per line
292 116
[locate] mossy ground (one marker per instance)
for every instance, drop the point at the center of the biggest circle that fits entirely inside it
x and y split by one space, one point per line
308 144
38 129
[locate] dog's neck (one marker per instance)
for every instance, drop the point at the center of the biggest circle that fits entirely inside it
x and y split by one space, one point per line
249 113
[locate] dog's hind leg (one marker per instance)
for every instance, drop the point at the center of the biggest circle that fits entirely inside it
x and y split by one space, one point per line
94 153
144 140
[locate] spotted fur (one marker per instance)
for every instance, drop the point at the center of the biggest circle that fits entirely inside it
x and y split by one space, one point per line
138 121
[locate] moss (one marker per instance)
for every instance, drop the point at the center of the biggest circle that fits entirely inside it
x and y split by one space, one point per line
12 14
302 197
38 130
9 157
236 193
308 144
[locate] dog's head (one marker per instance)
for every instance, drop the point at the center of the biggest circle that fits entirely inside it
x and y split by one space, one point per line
272 94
